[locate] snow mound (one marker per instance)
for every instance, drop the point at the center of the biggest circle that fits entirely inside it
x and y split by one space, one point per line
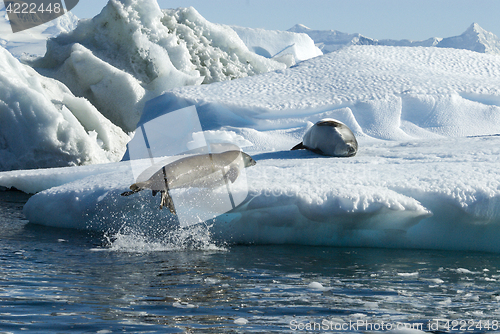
32 42
382 92
278 44
133 51
42 124
474 38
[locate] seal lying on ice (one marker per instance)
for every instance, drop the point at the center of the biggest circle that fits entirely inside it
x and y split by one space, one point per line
329 137
201 171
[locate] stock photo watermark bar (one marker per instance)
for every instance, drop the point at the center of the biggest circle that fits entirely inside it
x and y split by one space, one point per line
464 325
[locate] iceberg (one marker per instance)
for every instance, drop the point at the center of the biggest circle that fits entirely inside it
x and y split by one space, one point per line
332 40
286 46
418 194
133 51
425 175
42 124
391 93
474 38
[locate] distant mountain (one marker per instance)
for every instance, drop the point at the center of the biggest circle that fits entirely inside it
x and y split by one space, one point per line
33 41
474 38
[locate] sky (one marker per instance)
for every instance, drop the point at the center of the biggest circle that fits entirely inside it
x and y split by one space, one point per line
380 19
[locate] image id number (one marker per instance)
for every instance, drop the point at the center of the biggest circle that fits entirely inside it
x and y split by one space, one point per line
32 8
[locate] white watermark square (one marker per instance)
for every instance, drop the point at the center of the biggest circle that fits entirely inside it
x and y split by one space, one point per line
197 180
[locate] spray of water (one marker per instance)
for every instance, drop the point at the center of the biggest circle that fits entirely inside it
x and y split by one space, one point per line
195 237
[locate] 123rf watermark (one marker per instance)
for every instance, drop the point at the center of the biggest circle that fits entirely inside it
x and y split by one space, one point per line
465 325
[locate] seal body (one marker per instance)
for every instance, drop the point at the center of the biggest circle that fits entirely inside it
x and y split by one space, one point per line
329 137
200 171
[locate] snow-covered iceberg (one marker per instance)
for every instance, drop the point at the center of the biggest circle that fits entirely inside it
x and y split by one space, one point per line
289 47
423 194
332 40
42 124
133 51
474 38
426 174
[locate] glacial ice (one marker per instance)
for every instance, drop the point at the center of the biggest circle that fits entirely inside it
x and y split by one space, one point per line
474 38
133 51
440 194
42 124
280 45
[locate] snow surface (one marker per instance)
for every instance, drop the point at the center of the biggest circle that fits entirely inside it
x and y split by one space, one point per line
426 174
133 51
474 38
42 124
32 42
395 93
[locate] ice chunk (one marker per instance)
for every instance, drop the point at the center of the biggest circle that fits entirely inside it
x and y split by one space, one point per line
273 43
42 124
133 51
241 321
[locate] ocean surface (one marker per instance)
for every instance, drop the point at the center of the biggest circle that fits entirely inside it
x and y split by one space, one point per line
70 281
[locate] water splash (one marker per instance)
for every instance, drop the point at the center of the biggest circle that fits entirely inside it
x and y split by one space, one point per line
128 239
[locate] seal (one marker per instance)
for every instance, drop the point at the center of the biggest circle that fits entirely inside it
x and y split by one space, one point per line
200 171
329 137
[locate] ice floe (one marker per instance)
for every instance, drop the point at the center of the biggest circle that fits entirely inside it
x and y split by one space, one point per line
427 122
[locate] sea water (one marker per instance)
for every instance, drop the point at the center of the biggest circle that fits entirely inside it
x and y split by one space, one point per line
71 281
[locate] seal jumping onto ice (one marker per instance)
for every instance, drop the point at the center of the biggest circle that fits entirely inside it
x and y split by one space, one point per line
329 137
201 171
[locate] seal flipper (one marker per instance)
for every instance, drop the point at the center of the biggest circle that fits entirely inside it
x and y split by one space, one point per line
134 189
316 150
167 201
128 193
299 146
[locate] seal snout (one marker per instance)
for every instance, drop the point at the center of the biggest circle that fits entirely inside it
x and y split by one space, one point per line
351 151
